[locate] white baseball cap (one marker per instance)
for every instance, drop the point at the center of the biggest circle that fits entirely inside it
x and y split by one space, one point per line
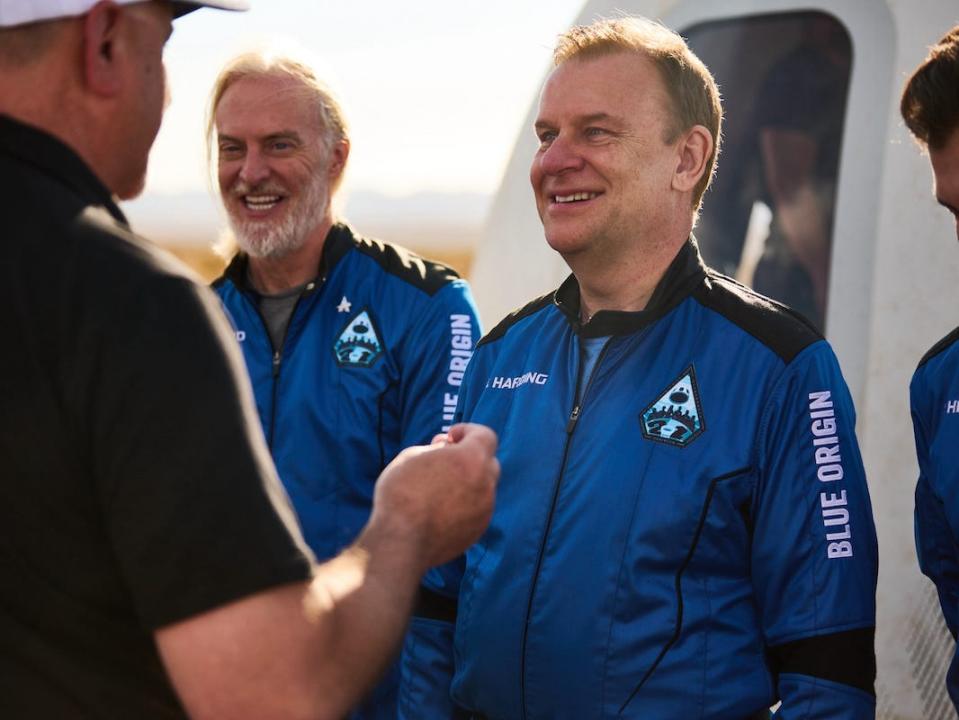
21 12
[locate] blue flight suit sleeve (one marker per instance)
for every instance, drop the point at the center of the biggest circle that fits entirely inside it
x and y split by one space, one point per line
426 663
435 356
936 546
815 557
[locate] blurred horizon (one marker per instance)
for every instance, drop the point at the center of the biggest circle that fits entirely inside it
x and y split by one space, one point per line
441 226
435 96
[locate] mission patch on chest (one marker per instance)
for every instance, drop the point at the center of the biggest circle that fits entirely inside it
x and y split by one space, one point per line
358 344
676 416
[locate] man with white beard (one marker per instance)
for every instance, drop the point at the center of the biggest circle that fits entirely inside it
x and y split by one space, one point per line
355 347
151 565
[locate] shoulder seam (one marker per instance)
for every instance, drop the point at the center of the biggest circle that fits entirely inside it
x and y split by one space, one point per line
428 276
514 317
940 347
778 327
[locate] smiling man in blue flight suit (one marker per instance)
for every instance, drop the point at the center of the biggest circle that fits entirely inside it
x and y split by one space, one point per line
930 108
683 528
356 348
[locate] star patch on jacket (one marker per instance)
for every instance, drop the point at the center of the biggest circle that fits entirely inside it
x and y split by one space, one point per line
676 417
358 344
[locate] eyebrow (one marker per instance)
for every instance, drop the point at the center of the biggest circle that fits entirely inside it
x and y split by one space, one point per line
285 135
597 117
281 135
583 120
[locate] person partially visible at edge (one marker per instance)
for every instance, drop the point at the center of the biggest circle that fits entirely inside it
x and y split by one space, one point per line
930 108
355 347
799 118
151 564
683 527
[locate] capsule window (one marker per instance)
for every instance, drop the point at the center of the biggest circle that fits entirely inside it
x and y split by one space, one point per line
768 218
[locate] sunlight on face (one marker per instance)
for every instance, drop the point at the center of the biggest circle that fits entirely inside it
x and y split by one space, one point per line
273 166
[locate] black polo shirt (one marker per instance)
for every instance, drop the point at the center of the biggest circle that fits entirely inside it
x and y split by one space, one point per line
135 486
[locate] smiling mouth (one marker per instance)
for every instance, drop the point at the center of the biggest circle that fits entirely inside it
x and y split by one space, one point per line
574 197
261 203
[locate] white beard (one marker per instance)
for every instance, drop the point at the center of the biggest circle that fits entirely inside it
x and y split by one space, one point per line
275 239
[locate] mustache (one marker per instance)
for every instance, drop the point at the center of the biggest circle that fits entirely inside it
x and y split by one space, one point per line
241 187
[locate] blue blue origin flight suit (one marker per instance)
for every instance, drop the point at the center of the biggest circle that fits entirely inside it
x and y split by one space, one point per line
371 363
693 538
934 397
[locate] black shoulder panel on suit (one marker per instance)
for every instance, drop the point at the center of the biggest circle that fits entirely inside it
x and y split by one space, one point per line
514 317
778 327
427 275
940 346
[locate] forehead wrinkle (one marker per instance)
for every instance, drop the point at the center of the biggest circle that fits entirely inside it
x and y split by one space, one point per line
643 85
268 90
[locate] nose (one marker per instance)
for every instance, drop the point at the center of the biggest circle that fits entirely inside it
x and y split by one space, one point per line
561 155
255 168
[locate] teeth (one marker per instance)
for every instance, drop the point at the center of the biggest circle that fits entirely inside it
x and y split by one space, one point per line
574 197
261 202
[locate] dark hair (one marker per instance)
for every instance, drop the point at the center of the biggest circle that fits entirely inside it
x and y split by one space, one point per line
930 100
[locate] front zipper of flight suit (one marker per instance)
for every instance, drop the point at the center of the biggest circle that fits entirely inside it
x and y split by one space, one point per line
574 415
277 359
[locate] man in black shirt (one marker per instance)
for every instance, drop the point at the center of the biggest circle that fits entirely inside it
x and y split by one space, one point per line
150 566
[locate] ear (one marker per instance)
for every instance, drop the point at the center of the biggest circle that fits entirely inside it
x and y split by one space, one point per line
101 69
338 157
693 148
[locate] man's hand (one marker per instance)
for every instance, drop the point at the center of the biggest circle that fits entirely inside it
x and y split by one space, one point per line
324 643
440 497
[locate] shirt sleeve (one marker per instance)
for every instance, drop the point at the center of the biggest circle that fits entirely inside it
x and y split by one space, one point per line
436 355
191 501
814 559
936 546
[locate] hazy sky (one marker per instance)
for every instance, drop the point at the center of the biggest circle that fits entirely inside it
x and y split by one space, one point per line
435 90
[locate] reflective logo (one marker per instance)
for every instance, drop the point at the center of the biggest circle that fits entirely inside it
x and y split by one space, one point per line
676 417
511 383
358 345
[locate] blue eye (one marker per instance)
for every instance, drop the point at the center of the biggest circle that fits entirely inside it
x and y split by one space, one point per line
546 137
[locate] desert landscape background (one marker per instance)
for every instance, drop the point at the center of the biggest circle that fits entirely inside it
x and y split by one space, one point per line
440 226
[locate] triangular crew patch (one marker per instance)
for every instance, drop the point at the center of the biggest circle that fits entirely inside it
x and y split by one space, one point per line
359 344
676 417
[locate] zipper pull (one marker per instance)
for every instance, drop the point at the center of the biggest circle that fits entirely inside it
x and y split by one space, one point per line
573 417
276 363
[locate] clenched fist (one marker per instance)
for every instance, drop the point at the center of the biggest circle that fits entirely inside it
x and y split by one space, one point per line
439 498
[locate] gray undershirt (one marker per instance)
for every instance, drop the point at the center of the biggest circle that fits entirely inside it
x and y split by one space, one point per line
277 309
